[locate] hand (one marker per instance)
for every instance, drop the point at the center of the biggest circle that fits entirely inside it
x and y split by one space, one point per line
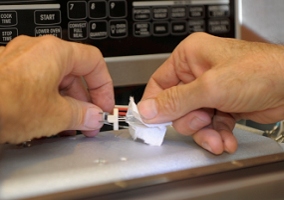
42 92
208 83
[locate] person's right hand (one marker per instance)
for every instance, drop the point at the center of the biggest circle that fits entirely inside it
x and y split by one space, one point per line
41 91
209 82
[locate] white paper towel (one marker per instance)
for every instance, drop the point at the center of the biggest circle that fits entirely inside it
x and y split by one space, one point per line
152 134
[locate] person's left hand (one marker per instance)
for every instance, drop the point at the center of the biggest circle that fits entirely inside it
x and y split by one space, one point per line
42 92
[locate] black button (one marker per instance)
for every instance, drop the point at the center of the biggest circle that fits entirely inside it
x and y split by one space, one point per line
8 18
219 11
118 28
6 35
55 31
117 9
98 9
141 13
178 12
77 10
179 28
196 26
196 12
43 17
98 29
77 30
161 28
219 26
160 13
142 29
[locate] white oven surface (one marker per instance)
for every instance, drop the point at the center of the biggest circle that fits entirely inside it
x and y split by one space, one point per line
61 164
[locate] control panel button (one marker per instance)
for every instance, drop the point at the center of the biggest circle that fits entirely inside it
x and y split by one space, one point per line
196 11
160 13
98 29
161 28
46 17
55 31
7 34
8 18
117 9
178 27
142 29
77 10
178 12
219 26
118 28
219 11
97 9
196 26
77 30
141 13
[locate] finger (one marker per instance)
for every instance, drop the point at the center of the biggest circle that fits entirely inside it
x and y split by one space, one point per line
230 142
73 86
218 137
177 101
78 115
91 133
224 124
209 139
87 61
193 121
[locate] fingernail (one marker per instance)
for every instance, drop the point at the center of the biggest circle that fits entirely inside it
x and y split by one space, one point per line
206 146
148 108
92 119
197 123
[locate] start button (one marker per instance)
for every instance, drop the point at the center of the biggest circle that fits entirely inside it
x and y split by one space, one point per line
47 17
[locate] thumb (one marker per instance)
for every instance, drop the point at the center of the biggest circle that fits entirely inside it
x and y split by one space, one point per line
82 115
172 103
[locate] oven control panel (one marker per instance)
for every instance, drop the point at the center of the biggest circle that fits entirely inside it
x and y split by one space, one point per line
118 27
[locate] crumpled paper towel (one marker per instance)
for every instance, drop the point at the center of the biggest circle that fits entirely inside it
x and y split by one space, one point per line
152 134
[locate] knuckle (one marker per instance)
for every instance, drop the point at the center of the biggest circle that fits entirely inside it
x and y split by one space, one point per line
212 86
183 129
49 42
198 35
20 38
48 39
170 101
